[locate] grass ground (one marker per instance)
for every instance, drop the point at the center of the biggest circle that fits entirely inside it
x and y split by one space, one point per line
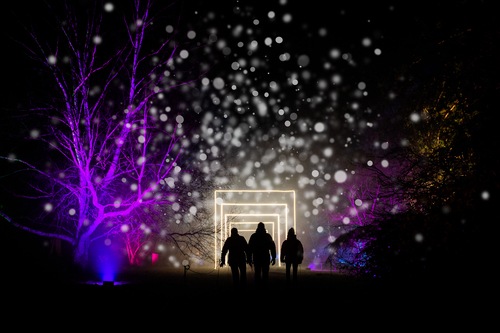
319 295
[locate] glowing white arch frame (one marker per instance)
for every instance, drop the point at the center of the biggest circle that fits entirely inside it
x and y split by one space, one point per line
277 216
266 223
224 229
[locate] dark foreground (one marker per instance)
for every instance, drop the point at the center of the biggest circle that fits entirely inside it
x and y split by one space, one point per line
323 295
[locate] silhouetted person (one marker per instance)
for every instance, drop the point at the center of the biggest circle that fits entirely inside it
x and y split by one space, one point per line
237 247
292 253
262 251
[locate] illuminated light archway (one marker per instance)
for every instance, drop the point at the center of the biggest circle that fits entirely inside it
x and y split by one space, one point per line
244 223
225 231
271 227
222 227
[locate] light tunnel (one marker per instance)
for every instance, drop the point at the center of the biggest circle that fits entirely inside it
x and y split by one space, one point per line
276 211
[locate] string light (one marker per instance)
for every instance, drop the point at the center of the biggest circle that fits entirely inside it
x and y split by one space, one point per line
220 218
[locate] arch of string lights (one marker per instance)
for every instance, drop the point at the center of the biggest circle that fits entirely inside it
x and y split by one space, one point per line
240 225
221 217
271 226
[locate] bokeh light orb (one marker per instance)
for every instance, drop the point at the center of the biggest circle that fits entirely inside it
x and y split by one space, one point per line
340 176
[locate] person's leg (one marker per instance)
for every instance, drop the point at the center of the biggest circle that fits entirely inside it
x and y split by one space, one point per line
265 275
243 275
258 269
295 267
288 273
235 273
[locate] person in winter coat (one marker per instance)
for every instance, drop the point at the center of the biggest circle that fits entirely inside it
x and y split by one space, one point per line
292 253
262 251
238 248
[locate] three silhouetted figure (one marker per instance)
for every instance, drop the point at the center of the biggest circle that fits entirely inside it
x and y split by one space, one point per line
261 252
292 253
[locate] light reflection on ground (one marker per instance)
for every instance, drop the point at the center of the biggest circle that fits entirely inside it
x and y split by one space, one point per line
100 283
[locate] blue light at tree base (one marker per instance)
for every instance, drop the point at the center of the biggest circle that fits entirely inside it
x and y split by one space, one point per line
105 260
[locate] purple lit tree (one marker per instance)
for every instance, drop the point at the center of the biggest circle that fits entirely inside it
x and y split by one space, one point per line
110 153
362 194
380 189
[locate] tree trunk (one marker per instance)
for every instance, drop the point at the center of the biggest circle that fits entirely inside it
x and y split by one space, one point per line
81 253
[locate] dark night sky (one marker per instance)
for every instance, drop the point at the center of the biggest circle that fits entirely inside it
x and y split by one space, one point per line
327 93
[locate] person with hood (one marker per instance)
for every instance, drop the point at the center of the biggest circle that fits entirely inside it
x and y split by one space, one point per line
292 253
238 254
262 251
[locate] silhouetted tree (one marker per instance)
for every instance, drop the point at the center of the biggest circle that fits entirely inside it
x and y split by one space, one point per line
439 168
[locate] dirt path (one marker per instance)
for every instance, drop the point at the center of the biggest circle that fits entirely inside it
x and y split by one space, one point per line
210 292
